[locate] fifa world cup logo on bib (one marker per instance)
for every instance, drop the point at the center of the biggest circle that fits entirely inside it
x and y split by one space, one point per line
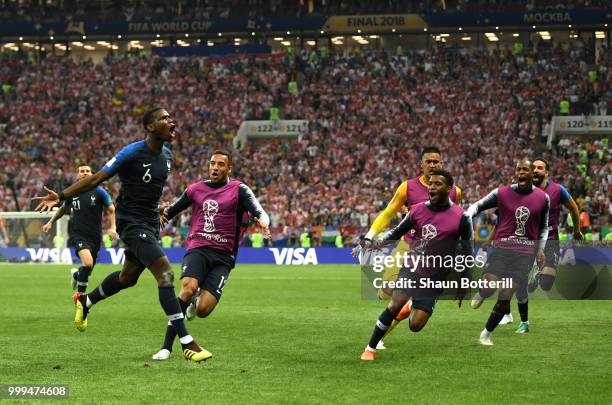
429 232
522 215
210 209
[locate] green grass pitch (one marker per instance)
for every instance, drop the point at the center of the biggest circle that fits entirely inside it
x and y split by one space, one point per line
284 334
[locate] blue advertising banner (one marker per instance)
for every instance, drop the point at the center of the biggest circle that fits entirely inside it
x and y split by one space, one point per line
312 23
272 255
215 25
576 17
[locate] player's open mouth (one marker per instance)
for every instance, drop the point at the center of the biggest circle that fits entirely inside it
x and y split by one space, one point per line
172 127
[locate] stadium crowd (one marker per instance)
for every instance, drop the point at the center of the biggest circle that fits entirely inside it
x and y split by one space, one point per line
132 10
370 114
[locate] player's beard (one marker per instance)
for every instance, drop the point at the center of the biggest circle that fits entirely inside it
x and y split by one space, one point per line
537 180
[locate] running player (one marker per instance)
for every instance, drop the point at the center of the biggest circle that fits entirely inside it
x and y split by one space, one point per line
143 168
409 193
220 209
437 219
85 227
545 277
520 235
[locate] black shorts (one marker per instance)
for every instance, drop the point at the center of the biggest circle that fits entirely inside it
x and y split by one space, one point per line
79 242
422 298
552 252
141 241
210 267
505 263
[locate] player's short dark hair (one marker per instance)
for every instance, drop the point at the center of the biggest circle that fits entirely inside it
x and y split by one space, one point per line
447 176
147 118
525 160
430 149
542 160
224 153
82 164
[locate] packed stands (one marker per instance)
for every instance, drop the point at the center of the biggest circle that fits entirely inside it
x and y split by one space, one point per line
370 114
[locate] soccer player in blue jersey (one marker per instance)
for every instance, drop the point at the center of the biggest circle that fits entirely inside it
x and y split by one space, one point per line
143 168
86 227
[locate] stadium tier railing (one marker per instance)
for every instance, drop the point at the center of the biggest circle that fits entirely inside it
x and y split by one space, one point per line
269 129
579 125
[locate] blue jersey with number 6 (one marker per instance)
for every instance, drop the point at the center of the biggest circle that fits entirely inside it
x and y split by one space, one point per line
143 175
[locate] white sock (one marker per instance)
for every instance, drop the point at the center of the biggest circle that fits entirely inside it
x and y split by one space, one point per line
368 348
485 333
186 339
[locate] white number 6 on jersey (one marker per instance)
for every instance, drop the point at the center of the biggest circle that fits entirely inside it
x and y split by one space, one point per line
147 176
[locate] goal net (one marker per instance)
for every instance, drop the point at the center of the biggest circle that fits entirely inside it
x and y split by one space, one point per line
22 238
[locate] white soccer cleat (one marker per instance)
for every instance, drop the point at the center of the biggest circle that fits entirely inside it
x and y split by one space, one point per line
485 341
191 311
73 281
477 301
380 345
485 338
506 320
163 354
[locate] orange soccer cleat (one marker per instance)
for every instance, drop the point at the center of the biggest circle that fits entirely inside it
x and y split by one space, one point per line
368 355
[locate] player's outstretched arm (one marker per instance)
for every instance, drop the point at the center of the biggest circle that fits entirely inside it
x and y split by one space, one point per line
575 213
250 203
400 230
58 214
112 230
386 216
264 228
52 198
169 212
466 235
383 219
109 211
543 226
543 235
487 202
